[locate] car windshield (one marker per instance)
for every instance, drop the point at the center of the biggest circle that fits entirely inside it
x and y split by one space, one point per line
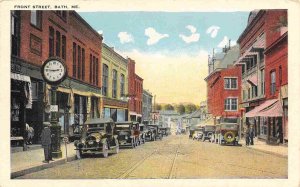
93 127
229 126
229 120
209 128
122 127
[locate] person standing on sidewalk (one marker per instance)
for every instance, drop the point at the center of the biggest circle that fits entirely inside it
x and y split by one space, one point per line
46 142
247 135
251 135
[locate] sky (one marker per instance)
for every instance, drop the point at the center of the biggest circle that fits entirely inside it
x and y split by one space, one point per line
170 48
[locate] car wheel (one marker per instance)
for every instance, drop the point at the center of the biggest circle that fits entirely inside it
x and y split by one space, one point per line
79 154
117 148
105 150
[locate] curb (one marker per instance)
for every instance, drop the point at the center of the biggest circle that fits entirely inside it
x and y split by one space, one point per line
41 167
268 152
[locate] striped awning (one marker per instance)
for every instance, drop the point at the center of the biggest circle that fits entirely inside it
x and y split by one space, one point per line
256 111
253 79
274 110
20 77
246 56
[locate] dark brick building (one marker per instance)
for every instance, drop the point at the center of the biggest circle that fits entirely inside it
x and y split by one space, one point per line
36 36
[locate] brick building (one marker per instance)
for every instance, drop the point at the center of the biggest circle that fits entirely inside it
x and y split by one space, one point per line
115 84
223 86
264 75
135 93
147 107
36 36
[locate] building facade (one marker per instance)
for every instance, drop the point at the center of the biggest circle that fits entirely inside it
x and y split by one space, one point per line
114 85
36 36
263 57
223 86
147 107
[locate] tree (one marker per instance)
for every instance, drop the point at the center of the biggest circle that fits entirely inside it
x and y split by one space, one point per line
158 107
168 107
180 109
189 108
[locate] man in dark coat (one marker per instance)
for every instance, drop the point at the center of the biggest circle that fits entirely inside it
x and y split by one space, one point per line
251 135
46 142
247 135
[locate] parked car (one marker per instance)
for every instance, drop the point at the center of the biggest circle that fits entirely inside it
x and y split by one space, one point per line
150 133
197 134
208 132
137 133
227 131
164 131
143 132
156 133
97 137
126 134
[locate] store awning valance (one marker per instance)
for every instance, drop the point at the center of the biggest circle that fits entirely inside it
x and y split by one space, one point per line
253 79
20 77
274 110
255 112
246 56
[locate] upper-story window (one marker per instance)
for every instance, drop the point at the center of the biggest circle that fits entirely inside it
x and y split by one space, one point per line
60 42
114 84
15 32
78 62
51 41
104 79
122 85
62 14
273 82
262 81
57 46
231 104
230 83
36 18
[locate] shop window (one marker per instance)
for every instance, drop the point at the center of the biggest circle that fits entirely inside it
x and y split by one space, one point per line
15 32
34 91
230 104
36 18
94 107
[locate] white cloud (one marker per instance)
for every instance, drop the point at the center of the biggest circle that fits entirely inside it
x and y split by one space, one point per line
154 36
225 41
213 31
125 37
100 32
194 37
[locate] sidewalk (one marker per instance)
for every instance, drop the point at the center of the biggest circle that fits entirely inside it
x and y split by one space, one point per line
279 150
26 162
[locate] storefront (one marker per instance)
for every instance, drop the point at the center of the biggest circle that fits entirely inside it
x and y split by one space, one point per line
117 110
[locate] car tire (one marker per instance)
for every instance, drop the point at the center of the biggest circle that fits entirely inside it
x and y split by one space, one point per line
79 154
105 150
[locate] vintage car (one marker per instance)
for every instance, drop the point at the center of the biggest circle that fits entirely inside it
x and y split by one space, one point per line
197 133
208 132
164 131
97 137
155 132
127 134
143 132
227 132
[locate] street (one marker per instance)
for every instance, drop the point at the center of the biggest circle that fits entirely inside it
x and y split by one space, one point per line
175 157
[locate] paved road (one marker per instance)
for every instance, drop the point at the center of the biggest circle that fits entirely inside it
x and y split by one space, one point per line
173 157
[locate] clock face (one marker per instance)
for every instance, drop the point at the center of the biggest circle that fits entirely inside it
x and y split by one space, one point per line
53 71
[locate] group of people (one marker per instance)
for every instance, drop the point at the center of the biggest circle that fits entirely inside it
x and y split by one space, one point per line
249 135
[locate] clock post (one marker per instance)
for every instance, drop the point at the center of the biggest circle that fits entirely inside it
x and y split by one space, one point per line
54 71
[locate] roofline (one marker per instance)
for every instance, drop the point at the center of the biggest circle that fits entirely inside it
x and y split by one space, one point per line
137 76
110 49
86 24
280 39
215 71
251 25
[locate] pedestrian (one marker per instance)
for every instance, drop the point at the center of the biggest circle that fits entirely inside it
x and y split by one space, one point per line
30 134
46 142
251 135
247 135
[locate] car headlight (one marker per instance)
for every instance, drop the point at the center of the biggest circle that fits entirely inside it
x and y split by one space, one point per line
97 140
83 140
126 137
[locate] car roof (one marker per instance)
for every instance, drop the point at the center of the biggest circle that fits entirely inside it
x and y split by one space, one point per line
98 120
123 122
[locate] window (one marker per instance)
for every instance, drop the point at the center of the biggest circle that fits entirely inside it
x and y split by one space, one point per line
83 63
62 14
254 91
230 83
63 47
51 42
231 104
249 93
94 68
244 95
97 70
94 107
36 18
114 86
122 85
79 62
74 60
57 43
262 81
104 79
273 82
280 75
15 32
91 64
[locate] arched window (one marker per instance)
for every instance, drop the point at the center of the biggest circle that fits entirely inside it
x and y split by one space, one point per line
114 82
104 79
122 85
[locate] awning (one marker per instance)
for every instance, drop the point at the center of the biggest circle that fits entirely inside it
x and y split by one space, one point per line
255 112
253 79
20 77
258 46
274 110
247 55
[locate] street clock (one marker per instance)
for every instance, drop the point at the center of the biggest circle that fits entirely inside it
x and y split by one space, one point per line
54 71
